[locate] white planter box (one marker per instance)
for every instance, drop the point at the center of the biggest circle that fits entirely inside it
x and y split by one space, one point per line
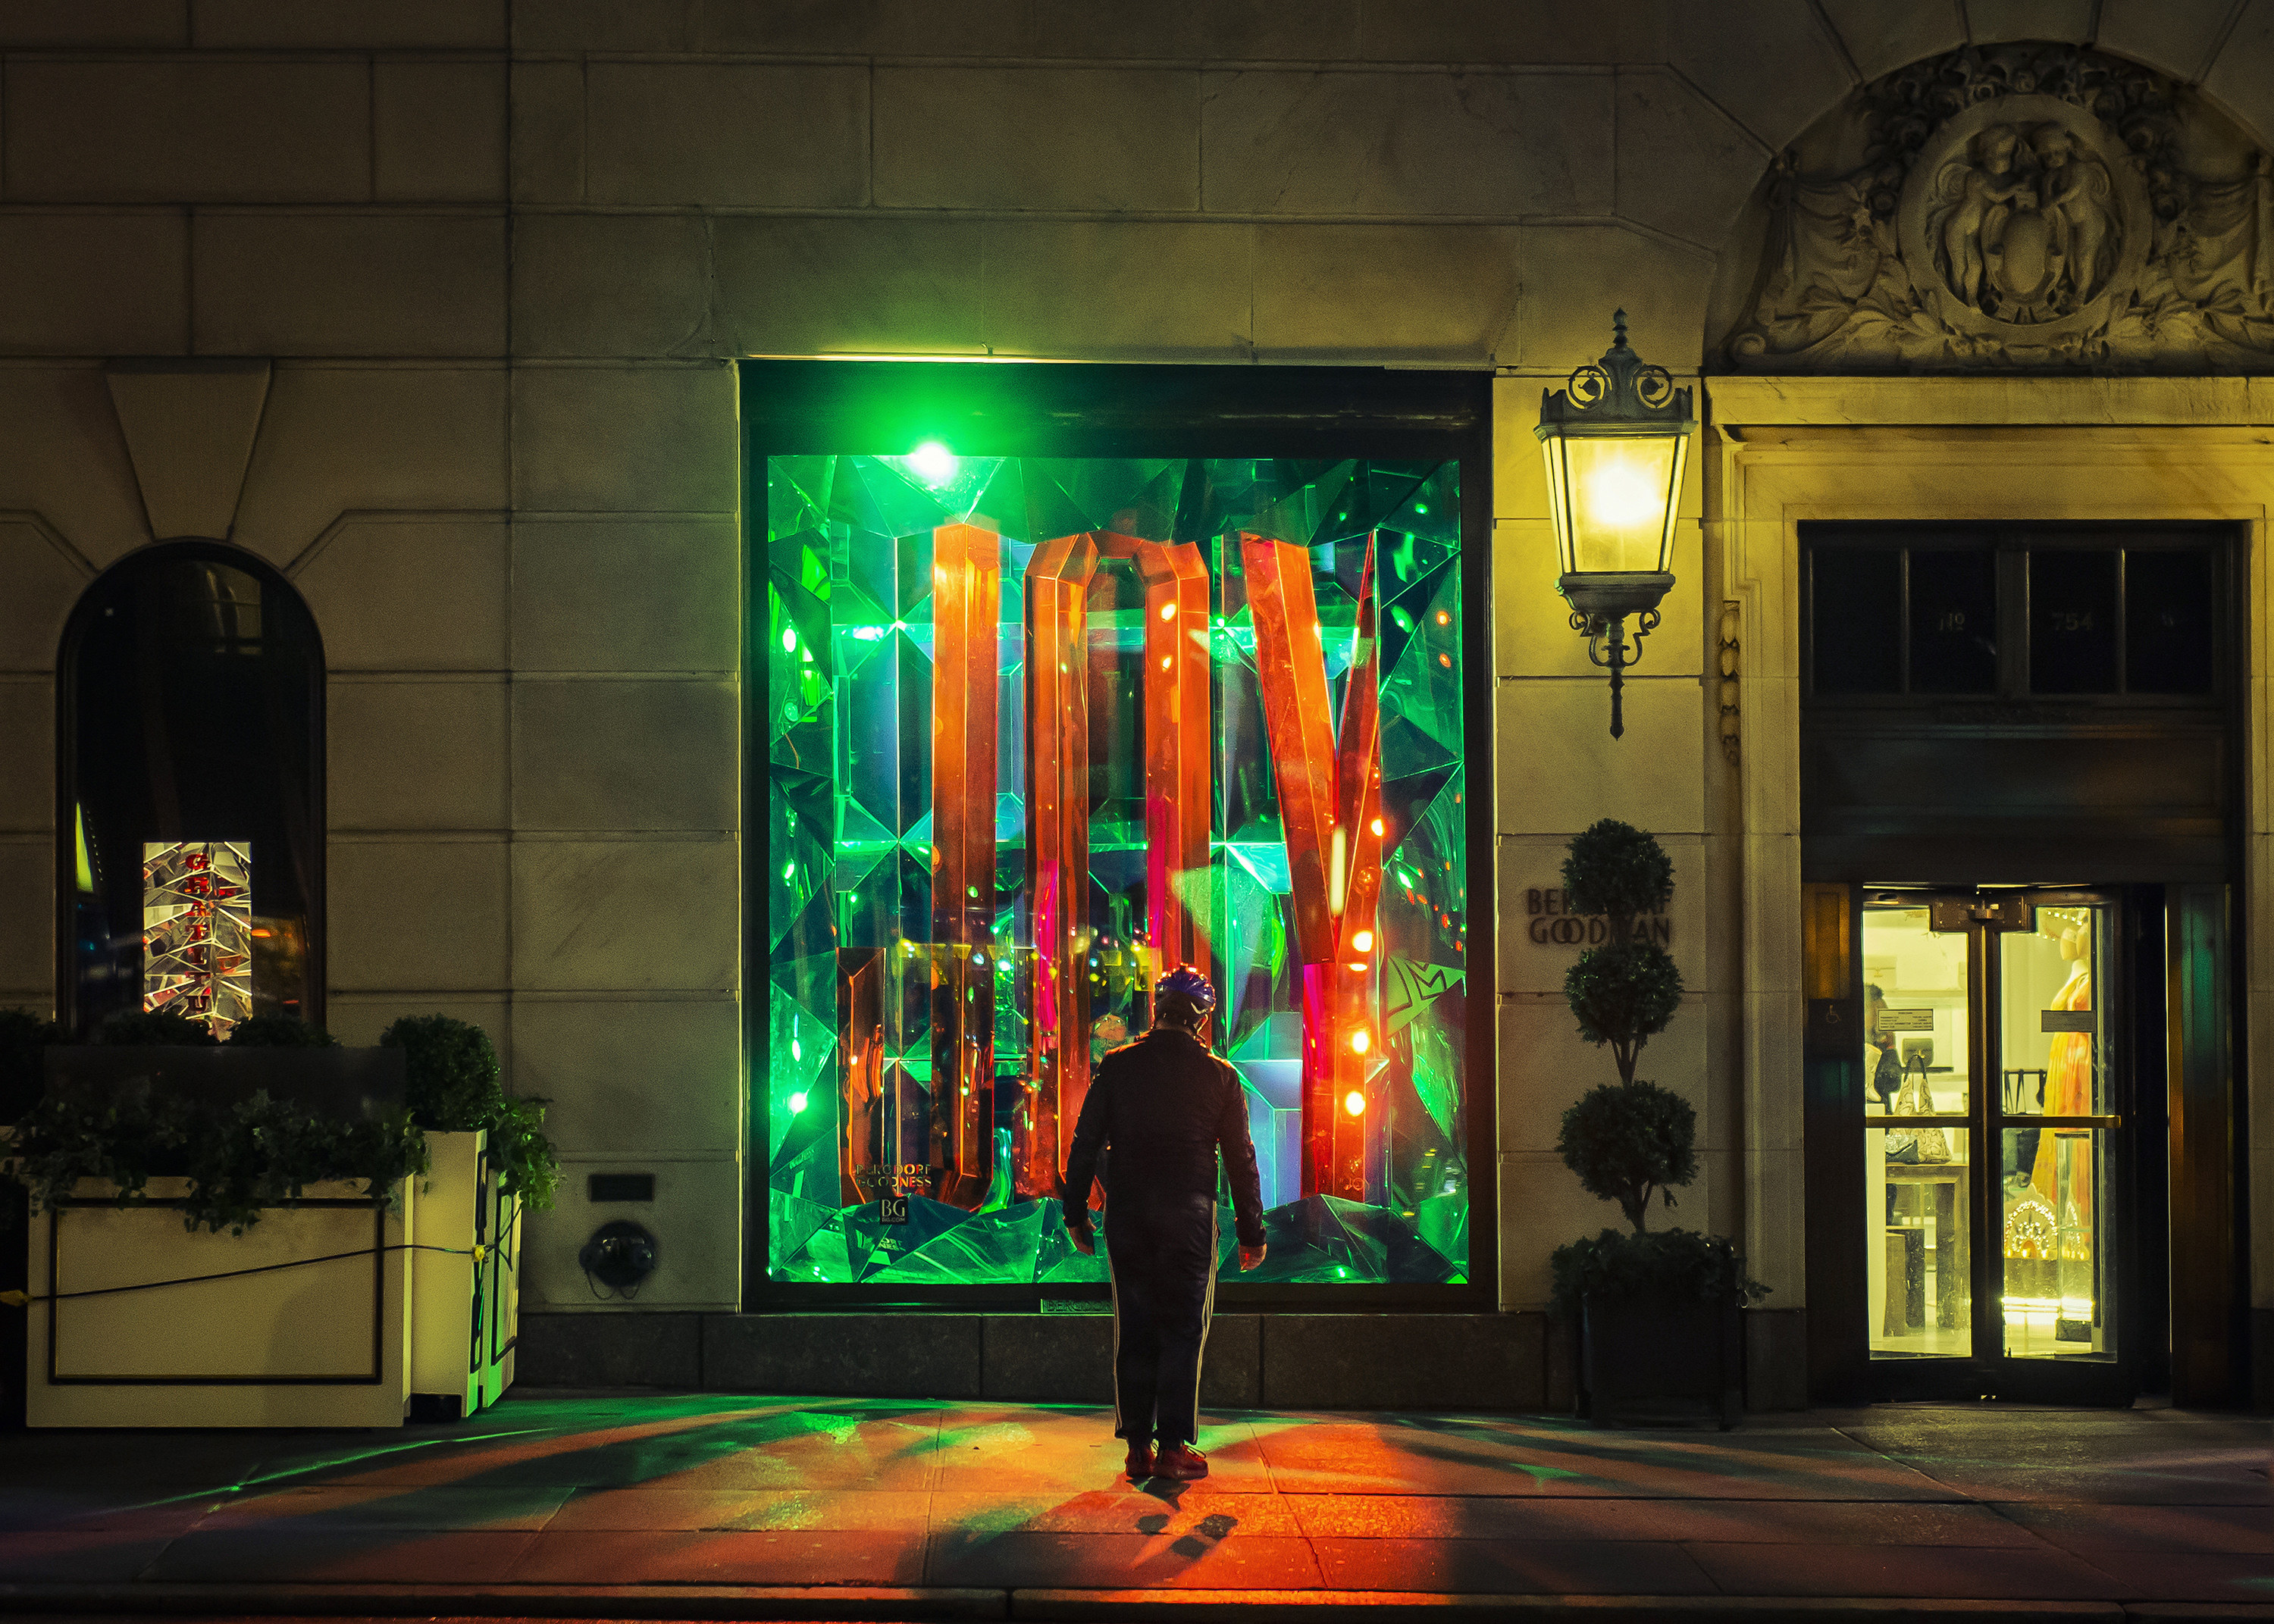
122 1331
465 1300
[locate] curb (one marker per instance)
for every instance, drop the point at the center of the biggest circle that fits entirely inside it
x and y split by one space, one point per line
27 1603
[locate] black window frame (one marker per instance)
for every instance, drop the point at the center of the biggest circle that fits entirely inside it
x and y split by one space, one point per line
2011 543
67 797
792 407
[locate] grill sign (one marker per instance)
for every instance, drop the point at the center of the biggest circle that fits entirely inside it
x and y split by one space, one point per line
1906 1020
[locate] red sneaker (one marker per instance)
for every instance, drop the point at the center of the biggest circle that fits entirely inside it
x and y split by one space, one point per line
1180 1461
1139 1463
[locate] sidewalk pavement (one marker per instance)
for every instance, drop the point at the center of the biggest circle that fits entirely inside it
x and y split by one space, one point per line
713 1507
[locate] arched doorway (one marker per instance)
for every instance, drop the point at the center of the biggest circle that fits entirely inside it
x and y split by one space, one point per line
190 784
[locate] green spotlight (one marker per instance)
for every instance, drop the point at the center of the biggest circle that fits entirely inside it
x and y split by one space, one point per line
797 1102
934 464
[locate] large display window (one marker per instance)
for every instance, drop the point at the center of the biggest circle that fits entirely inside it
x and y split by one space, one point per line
1039 726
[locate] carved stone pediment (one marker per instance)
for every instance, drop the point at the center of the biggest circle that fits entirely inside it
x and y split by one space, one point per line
2025 207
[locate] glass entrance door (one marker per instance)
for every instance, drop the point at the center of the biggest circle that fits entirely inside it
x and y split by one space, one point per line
1990 1136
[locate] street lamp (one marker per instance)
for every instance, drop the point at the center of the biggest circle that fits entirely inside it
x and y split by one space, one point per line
1615 437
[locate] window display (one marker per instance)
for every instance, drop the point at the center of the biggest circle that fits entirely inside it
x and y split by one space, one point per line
198 930
1038 728
190 729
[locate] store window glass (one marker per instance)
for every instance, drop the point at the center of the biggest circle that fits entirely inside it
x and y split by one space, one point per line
1040 727
2073 597
2170 629
192 753
1917 1151
1953 618
1856 607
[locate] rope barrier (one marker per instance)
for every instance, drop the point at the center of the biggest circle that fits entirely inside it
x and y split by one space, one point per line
22 1299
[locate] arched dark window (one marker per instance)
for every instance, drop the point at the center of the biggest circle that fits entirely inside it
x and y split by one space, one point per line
190 787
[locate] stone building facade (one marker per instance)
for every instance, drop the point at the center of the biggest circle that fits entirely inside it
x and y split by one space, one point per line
435 306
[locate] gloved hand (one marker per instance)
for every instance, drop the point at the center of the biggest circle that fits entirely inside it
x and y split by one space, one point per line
1251 1257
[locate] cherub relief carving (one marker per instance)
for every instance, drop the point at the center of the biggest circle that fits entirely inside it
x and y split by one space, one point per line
2025 206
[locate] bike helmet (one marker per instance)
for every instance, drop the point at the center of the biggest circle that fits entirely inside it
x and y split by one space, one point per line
1183 997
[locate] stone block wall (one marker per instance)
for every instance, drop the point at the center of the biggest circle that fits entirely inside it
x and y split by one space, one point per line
499 256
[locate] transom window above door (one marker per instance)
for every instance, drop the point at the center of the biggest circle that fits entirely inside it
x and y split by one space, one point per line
1910 611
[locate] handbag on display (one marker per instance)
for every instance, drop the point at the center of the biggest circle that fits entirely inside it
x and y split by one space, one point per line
1915 1099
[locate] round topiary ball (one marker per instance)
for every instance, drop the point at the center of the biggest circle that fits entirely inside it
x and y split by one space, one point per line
451 1070
1618 869
1627 1141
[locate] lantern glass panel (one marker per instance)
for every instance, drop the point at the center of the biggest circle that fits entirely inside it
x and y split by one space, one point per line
1616 494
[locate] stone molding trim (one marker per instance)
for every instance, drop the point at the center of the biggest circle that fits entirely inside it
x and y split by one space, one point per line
189 427
2023 206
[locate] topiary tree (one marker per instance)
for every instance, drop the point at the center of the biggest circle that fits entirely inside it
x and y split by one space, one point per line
450 1070
1629 1140
1625 992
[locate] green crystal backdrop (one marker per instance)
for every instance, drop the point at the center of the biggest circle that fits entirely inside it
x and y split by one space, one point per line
848 741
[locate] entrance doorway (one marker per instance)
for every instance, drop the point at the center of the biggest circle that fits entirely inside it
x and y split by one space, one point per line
1993 1157
2022 1118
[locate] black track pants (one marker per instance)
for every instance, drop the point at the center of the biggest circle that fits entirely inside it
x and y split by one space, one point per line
1162 1251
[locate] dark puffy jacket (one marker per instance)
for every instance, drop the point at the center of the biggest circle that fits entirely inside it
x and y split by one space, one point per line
1166 1106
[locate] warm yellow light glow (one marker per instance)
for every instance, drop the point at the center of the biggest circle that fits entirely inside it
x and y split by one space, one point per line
1377 825
1354 1103
1168 612
1360 1042
1621 497
1363 941
1610 497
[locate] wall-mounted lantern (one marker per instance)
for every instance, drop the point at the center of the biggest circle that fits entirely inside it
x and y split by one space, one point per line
1615 437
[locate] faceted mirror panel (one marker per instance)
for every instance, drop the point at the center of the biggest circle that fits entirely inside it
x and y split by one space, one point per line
1038 729
198 930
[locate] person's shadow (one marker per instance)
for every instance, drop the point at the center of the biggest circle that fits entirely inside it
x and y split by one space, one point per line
1203 1535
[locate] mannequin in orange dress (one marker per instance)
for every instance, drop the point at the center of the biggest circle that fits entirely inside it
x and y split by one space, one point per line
2068 1087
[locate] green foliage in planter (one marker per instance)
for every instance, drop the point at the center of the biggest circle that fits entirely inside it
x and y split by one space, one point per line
1627 1141
146 1028
278 1032
1665 1262
238 1159
527 1166
1617 869
452 1071
1624 994
22 1034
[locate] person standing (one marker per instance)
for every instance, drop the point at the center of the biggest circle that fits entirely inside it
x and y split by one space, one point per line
1166 1107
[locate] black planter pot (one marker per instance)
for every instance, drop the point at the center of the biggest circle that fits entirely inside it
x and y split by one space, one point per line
1652 1356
